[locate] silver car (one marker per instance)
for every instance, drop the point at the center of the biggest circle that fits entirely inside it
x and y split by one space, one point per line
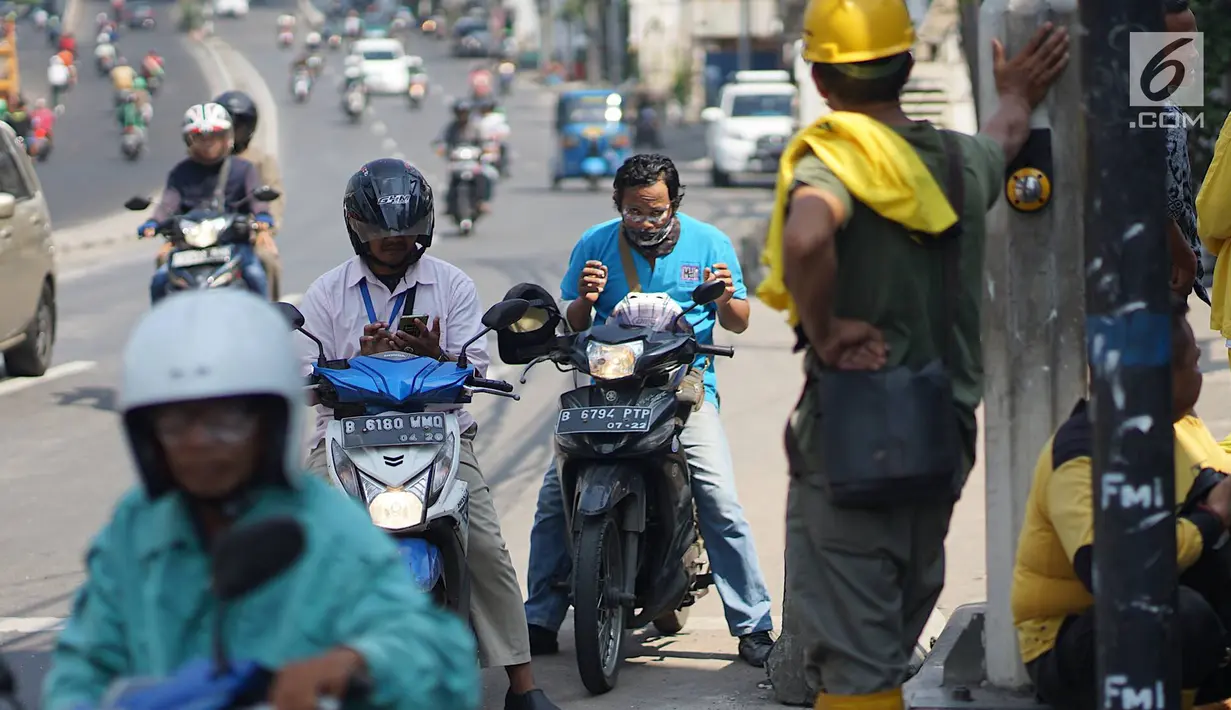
27 264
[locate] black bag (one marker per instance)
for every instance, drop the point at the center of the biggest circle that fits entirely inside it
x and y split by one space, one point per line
891 437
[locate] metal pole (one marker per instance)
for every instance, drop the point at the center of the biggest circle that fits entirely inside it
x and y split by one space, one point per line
594 48
616 42
745 35
547 32
1033 337
1128 335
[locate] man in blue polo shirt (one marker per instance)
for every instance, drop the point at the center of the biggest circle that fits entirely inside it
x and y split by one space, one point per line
671 253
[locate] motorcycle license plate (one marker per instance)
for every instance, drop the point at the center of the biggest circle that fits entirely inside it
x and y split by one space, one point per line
393 430
602 420
197 257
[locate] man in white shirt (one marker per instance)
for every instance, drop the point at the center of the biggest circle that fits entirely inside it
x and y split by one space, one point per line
58 76
354 309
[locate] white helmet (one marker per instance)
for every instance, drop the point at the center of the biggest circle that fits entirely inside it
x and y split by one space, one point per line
56 61
352 60
414 61
205 119
353 72
203 345
313 38
650 310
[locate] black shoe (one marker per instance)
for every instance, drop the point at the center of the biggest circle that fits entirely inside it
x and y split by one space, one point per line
754 648
543 641
534 700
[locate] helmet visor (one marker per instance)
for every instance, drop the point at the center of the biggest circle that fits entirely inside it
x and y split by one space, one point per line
368 232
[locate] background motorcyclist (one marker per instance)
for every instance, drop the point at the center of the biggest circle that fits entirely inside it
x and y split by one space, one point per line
220 447
464 130
312 43
151 65
129 113
141 93
494 128
352 79
122 76
480 80
57 78
244 118
19 118
193 183
43 118
104 54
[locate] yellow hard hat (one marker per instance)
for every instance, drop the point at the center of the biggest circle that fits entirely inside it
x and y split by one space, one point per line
849 31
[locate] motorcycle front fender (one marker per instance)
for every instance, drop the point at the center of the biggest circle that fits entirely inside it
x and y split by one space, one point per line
601 488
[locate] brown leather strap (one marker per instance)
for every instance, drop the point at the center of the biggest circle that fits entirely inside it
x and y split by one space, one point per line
630 267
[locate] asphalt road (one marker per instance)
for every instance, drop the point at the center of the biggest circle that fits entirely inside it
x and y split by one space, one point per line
86 177
66 461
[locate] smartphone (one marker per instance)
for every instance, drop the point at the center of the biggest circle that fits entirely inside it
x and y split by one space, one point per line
413 325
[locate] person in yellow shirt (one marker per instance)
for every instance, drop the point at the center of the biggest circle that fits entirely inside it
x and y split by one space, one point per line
122 76
1052 601
1214 228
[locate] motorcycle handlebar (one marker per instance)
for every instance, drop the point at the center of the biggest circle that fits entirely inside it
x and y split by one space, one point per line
718 350
498 385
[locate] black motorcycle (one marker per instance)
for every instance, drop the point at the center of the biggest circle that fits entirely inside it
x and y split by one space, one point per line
637 554
466 185
206 244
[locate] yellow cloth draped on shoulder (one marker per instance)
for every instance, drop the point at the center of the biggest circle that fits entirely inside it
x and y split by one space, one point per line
879 168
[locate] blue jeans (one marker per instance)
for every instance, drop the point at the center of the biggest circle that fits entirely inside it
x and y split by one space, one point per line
250 267
728 538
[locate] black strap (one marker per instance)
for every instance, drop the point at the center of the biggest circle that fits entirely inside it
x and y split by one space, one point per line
951 242
220 190
408 309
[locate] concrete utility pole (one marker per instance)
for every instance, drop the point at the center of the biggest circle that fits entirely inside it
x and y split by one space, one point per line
1129 321
745 35
594 43
547 32
1033 346
617 42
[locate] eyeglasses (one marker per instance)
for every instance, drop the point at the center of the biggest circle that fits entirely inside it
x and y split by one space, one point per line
634 214
225 424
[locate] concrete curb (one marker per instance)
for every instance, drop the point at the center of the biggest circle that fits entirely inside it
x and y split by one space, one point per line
220 64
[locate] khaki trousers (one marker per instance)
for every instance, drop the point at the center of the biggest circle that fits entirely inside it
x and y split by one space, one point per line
496 610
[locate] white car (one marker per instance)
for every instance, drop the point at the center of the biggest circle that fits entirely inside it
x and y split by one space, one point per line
754 119
384 66
231 8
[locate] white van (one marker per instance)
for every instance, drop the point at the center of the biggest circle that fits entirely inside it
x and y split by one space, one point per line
231 8
384 65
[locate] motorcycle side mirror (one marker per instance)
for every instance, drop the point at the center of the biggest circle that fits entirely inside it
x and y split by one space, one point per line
295 319
136 204
500 315
249 557
291 314
246 558
265 193
708 292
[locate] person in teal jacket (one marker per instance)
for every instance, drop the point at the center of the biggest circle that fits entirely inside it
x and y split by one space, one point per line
212 402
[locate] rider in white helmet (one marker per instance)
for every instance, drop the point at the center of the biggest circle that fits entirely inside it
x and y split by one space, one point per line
212 403
194 184
312 41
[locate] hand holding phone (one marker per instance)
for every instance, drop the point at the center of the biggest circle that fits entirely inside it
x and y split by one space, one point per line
413 325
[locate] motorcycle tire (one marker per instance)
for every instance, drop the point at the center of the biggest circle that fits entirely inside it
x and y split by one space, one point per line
599 657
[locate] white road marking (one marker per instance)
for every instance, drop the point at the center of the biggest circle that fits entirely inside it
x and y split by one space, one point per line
30 625
389 144
17 384
379 128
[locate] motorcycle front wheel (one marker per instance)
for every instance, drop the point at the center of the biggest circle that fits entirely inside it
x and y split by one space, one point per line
598 619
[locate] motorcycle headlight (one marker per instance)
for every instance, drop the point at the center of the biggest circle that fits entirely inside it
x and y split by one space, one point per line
441 468
347 473
204 233
397 510
611 362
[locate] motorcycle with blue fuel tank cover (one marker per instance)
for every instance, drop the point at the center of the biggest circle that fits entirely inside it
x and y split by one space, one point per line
637 554
206 243
400 460
243 560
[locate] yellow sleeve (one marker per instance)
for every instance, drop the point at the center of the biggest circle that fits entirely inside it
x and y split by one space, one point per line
1213 207
1226 444
1070 505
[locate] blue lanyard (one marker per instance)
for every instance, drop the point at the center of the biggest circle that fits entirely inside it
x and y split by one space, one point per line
367 303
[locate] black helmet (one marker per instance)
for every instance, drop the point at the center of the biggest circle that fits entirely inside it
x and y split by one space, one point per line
243 116
387 198
535 334
460 105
